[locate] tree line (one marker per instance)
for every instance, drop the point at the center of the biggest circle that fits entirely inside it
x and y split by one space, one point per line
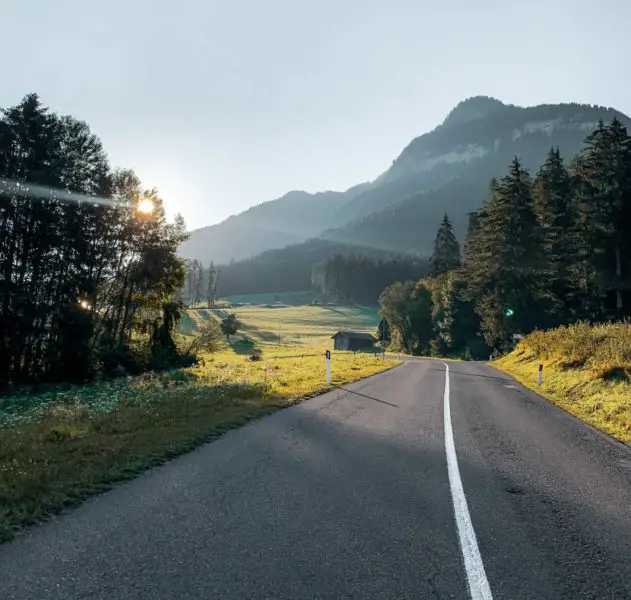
542 251
357 279
89 272
200 284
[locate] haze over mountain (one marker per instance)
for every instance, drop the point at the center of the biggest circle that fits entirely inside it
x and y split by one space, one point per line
447 169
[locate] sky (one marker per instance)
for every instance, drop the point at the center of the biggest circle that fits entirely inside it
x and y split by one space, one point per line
223 105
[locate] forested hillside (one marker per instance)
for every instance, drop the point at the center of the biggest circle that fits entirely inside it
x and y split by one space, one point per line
328 267
445 169
544 250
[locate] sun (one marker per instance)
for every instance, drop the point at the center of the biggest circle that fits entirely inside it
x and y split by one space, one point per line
145 206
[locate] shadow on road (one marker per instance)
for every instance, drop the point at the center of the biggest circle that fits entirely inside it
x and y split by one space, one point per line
461 373
369 397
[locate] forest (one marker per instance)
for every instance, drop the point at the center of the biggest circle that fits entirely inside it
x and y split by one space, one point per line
542 251
89 271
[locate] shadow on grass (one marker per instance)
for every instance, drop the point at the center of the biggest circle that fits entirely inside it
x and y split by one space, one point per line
70 453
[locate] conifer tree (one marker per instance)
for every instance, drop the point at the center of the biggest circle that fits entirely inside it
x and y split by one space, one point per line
555 211
604 175
503 259
446 255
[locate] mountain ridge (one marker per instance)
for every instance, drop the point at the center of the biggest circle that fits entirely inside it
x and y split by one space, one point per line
476 141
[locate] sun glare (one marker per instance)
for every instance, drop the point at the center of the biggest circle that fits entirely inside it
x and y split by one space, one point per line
145 206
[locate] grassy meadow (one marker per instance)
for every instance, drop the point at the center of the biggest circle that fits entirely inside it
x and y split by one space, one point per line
587 372
59 446
309 325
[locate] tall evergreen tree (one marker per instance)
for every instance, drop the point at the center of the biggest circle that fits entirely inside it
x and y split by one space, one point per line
446 255
504 265
604 176
554 207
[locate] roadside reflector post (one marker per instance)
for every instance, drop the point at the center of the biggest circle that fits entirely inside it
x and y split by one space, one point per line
327 359
540 376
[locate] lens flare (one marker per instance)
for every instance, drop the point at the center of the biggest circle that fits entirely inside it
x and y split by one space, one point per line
145 206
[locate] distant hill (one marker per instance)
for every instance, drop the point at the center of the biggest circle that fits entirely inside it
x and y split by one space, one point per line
295 217
445 170
285 269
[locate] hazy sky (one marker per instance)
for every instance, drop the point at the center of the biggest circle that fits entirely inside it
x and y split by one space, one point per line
222 105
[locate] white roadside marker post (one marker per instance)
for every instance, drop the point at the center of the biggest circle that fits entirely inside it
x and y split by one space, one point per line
328 366
540 376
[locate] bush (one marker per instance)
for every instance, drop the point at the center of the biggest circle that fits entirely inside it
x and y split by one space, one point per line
256 354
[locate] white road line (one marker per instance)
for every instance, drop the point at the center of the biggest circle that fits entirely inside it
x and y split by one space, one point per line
476 576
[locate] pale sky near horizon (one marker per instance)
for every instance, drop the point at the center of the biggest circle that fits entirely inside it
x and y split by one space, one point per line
223 105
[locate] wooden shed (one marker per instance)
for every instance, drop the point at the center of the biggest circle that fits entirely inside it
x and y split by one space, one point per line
353 340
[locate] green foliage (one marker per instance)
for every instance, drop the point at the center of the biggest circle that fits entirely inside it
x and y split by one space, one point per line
446 255
79 280
256 354
407 307
359 279
230 325
538 254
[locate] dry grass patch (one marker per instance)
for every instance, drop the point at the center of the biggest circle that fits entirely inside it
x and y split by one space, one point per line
587 372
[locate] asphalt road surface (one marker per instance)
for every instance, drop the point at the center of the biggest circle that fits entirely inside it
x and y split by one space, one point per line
397 489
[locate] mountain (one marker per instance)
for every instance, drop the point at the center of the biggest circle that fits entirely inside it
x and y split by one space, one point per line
295 217
285 269
445 170
449 168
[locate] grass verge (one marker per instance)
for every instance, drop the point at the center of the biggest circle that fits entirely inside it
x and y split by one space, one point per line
58 449
587 372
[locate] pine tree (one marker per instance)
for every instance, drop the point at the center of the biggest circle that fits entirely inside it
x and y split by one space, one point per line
503 259
604 175
446 255
555 211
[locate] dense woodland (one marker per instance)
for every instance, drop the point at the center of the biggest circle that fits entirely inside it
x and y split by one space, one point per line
85 286
542 251
360 280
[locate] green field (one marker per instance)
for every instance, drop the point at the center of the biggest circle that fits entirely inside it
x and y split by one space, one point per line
308 325
293 298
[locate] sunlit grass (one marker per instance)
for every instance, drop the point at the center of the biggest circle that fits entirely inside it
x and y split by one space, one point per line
587 372
309 325
58 448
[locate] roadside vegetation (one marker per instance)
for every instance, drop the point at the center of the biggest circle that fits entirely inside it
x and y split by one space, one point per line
542 252
60 446
587 372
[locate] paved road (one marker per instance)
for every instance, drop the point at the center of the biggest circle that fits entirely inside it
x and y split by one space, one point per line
359 495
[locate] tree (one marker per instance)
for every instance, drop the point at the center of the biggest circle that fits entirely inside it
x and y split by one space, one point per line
211 285
446 255
603 172
77 278
208 339
230 325
555 210
407 307
503 262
